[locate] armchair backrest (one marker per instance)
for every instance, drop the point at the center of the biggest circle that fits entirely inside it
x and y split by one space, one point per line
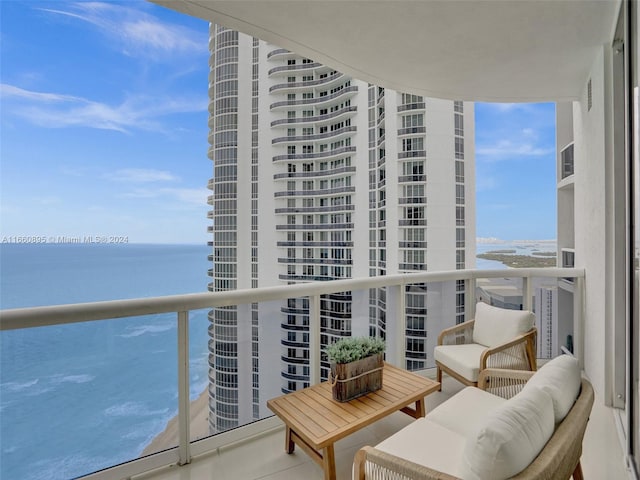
494 326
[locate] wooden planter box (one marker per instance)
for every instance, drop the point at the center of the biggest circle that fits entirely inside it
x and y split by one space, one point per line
352 380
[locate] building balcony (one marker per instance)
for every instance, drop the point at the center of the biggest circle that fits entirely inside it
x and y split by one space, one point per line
412 178
411 131
317 120
295 86
326 191
297 68
346 92
256 449
316 173
335 134
412 154
279 52
411 106
327 154
332 209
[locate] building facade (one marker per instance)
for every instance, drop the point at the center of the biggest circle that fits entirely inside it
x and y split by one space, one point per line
319 176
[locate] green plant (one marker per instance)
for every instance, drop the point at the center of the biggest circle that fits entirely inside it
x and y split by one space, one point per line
350 349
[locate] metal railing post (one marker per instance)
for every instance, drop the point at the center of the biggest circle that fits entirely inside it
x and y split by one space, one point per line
314 339
396 325
526 293
470 299
578 320
184 417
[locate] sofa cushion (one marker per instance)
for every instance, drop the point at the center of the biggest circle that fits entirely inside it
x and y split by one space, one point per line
561 379
509 438
463 359
429 444
463 412
494 326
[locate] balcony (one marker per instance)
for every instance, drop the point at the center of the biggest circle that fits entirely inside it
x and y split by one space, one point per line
320 100
260 443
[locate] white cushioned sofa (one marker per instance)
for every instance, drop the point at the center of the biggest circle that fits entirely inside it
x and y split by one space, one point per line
517 424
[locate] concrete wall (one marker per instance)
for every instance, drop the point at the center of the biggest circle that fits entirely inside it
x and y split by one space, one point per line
590 219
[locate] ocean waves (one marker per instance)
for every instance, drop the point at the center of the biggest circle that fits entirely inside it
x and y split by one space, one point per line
85 396
18 386
133 409
145 329
73 378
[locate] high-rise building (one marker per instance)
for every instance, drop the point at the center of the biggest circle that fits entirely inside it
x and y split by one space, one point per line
319 176
546 310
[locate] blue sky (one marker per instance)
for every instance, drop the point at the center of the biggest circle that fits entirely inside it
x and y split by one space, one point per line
104 130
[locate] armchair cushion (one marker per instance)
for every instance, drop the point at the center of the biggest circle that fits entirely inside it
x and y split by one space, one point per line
561 379
510 437
427 443
464 412
464 359
495 326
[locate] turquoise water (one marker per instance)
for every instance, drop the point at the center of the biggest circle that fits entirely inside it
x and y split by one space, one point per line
81 397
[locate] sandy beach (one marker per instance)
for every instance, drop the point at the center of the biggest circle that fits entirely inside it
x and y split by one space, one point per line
168 438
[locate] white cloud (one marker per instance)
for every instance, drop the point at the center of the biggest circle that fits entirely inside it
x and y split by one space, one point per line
54 110
73 171
499 206
134 32
188 196
196 196
141 175
485 183
505 107
508 149
489 240
8 91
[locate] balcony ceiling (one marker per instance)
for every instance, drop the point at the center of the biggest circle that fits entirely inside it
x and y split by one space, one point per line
502 51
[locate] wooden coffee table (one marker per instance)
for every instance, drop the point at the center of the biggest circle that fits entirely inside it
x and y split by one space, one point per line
315 421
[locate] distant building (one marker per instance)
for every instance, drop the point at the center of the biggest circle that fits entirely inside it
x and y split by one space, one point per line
546 310
319 176
507 293
502 293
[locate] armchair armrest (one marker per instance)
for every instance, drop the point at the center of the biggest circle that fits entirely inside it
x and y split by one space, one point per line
502 382
517 354
457 335
373 464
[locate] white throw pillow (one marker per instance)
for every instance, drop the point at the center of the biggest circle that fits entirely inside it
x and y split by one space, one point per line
510 437
561 379
494 326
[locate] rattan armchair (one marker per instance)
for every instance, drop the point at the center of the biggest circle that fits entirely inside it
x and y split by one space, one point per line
507 340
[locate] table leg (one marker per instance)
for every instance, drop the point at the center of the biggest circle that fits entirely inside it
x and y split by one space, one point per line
417 412
329 463
289 446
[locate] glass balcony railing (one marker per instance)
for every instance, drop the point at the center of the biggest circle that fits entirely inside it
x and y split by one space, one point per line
218 357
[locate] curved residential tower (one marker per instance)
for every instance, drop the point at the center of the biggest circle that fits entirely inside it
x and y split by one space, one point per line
319 176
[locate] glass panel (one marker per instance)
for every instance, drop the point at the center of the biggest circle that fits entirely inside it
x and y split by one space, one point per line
429 309
634 54
82 397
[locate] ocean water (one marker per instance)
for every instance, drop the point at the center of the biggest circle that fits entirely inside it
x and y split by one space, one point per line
78 398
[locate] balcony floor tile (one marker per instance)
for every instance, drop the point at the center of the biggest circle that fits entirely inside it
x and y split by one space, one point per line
264 458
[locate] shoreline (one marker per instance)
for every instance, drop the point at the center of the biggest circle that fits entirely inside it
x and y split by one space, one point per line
199 426
519 261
